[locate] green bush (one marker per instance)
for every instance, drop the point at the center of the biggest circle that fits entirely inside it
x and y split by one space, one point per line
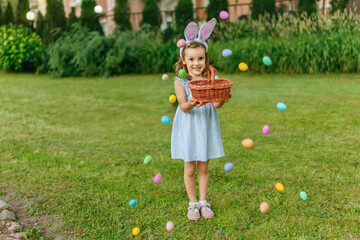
78 53
322 53
84 53
287 26
20 50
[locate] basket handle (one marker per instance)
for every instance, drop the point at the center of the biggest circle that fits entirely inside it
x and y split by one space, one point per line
211 75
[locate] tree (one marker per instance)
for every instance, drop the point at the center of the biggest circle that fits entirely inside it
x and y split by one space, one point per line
1 15
72 17
260 7
184 14
40 24
9 15
151 13
339 5
55 20
121 14
215 7
88 16
308 6
21 9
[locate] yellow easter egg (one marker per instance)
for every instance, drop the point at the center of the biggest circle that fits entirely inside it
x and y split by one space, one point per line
243 67
136 231
279 187
248 143
172 99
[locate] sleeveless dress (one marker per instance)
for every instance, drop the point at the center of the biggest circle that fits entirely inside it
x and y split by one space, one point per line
196 134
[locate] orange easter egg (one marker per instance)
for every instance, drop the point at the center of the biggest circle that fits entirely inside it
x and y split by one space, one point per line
264 207
248 143
279 187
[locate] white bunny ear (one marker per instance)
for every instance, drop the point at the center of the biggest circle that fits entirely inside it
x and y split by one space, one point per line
206 29
191 31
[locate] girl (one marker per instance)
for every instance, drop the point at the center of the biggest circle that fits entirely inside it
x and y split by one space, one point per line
196 134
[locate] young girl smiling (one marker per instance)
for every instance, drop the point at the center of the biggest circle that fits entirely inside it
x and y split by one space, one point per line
196 136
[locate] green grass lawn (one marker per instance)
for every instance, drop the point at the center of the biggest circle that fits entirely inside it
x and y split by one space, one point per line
77 146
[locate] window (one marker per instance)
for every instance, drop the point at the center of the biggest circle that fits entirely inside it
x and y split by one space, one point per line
111 4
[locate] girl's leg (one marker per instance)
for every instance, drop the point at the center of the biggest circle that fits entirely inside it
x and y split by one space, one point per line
189 179
203 178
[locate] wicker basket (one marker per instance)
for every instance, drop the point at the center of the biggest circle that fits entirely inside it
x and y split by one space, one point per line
210 90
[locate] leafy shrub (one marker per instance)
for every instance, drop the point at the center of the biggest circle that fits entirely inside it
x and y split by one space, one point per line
322 53
78 53
20 50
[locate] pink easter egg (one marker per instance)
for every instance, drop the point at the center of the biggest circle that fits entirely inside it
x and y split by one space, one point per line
157 178
181 43
169 226
224 15
266 130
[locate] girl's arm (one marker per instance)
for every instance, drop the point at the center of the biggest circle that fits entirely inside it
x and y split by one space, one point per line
181 97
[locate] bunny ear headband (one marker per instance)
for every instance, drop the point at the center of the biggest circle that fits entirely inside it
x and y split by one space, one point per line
192 30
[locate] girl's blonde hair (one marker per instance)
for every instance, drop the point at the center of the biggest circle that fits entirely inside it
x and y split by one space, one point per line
179 64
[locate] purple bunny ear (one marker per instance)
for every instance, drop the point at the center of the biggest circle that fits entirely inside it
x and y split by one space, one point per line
206 29
191 31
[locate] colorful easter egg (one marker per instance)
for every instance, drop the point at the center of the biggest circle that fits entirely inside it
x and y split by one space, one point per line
169 226
264 207
181 43
136 231
281 106
228 166
248 143
226 53
157 178
132 202
267 61
165 77
224 15
303 195
266 129
147 160
182 73
165 120
279 187
243 67
172 98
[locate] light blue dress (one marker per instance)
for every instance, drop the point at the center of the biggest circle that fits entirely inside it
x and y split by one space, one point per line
196 134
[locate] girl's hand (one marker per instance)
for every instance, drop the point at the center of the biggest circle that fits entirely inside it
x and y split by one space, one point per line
229 97
194 103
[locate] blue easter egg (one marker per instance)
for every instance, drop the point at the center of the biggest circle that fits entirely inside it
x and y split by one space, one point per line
216 77
226 53
267 61
228 166
281 106
165 120
303 195
132 202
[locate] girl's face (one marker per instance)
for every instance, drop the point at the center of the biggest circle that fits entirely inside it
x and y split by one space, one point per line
195 61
